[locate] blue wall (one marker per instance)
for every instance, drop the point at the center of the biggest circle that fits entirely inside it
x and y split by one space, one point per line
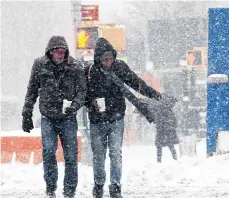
218 63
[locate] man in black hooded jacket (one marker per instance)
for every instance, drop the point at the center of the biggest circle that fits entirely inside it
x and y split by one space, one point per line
56 77
106 104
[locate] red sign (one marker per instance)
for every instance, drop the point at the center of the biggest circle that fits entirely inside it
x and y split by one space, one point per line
89 12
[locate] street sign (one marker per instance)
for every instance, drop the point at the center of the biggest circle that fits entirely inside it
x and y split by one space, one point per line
89 13
115 35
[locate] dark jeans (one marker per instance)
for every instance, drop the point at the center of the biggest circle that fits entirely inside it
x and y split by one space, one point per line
67 131
103 135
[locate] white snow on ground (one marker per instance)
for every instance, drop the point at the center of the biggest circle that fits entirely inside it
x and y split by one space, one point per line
142 176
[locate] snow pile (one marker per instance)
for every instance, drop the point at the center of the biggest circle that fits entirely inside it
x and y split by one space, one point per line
142 176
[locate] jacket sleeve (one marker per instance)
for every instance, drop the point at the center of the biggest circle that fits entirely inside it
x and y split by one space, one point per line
81 88
32 91
135 82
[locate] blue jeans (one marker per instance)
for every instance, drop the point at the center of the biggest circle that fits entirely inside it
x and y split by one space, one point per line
103 135
67 131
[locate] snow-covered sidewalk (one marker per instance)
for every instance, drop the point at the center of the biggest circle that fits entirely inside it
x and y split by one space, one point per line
142 176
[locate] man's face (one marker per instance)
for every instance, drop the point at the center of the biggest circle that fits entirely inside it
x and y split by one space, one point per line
107 59
58 55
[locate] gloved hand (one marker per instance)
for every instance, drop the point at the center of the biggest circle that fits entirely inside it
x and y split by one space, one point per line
27 124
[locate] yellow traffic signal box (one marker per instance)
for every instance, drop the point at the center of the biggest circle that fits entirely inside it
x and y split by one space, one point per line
87 37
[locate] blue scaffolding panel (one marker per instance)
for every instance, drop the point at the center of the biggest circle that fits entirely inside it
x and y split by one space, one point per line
218 63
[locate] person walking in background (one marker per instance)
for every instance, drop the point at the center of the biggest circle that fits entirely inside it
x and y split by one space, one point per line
59 80
106 104
166 125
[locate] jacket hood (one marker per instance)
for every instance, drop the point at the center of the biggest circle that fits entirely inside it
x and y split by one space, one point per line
102 46
57 42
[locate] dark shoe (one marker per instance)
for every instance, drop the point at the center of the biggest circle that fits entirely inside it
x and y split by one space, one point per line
50 194
97 191
67 196
115 191
50 191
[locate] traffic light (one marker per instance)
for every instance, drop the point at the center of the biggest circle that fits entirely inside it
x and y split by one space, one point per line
87 37
197 56
194 58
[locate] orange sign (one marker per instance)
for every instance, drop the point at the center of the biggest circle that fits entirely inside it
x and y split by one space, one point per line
115 35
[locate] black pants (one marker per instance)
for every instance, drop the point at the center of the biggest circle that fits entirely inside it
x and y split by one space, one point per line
172 150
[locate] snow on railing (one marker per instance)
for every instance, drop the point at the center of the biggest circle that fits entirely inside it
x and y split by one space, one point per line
217 78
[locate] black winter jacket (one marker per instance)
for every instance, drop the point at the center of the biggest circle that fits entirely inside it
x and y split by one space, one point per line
53 83
99 86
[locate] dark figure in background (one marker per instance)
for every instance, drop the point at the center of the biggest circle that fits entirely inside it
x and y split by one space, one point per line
106 105
56 77
166 125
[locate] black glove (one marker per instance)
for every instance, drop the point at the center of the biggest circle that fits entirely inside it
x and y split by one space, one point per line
27 124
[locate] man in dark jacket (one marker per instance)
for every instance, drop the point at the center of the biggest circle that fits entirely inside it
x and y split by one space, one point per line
106 104
55 78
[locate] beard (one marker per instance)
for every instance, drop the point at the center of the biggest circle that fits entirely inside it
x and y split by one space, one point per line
58 61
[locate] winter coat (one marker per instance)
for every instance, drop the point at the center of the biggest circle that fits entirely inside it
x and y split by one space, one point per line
53 83
166 123
99 86
164 119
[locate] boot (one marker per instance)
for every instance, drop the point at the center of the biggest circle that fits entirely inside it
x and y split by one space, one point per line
115 191
69 195
50 192
175 156
97 191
